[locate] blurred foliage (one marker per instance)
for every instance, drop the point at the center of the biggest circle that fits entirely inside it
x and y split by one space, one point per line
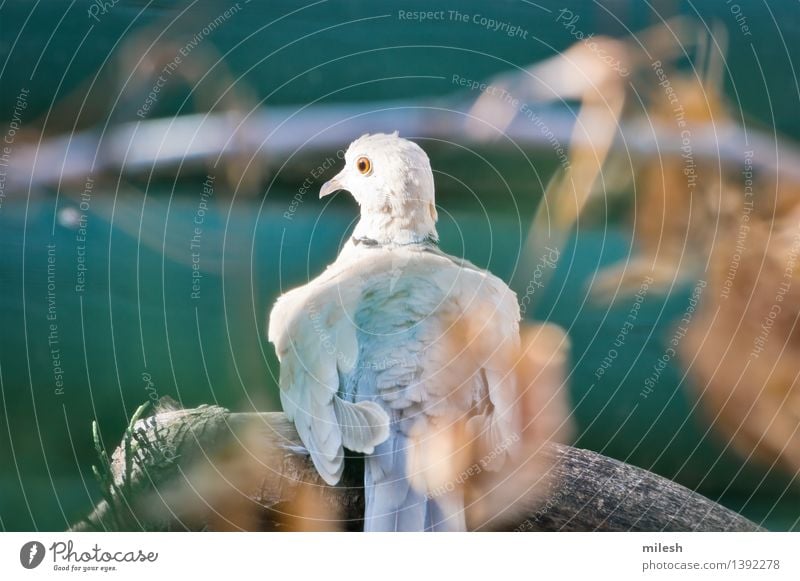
297 51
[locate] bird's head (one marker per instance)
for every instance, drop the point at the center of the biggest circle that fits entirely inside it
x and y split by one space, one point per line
392 181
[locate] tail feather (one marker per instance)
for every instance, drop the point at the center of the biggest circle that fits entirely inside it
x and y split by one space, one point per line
446 513
363 425
394 505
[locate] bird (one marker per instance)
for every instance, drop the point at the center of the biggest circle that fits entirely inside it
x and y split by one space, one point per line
399 351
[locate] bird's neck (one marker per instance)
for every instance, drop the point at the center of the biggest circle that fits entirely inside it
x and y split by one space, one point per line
414 227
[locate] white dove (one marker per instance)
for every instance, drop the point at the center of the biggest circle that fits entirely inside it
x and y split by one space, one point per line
366 352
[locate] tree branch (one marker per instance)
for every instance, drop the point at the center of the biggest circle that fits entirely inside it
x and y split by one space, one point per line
207 468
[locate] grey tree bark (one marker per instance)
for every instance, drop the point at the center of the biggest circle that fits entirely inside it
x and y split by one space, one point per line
210 469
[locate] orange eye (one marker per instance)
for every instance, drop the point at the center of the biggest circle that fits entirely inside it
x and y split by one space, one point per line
364 165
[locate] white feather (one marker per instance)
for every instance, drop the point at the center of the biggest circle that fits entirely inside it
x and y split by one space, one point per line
364 360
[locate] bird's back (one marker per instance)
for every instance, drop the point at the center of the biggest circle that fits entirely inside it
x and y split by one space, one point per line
421 335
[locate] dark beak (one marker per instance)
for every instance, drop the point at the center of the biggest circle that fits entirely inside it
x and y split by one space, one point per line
332 185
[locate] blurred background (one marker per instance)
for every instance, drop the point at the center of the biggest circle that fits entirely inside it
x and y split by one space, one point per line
159 173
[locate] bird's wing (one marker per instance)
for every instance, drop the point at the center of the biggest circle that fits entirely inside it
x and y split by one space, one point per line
446 328
313 331
488 325
314 338
444 336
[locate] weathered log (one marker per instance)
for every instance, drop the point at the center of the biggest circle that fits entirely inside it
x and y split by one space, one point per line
207 468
